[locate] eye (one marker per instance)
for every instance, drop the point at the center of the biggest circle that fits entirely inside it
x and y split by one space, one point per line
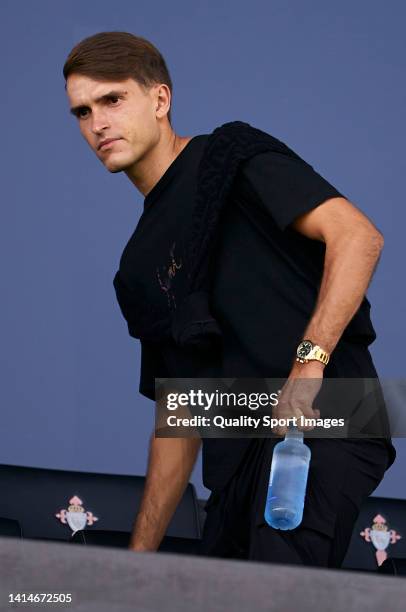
111 99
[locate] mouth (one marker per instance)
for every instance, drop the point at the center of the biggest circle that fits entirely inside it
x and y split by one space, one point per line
107 143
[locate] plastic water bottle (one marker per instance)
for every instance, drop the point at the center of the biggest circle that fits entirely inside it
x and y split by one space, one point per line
287 481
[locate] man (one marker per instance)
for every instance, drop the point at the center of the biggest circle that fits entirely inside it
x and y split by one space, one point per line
293 261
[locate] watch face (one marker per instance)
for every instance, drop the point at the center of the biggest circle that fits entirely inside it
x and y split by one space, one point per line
304 349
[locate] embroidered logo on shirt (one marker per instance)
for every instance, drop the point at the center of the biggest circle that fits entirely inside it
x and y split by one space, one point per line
166 276
76 516
380 536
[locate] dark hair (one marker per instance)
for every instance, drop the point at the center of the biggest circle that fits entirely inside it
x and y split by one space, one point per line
117 56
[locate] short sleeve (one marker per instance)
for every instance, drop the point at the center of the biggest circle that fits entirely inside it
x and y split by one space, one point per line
152 366
286 186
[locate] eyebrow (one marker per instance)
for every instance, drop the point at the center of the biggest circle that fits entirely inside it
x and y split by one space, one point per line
114 92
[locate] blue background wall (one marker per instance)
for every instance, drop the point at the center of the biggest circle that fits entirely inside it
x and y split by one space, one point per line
326 78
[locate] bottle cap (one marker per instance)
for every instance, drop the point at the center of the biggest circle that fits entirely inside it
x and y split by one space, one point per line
293 433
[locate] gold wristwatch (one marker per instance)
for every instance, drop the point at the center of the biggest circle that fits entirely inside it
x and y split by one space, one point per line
307 351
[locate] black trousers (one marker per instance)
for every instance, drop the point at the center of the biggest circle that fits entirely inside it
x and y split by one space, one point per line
342 474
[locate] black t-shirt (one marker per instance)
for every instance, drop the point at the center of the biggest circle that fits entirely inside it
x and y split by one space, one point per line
265 281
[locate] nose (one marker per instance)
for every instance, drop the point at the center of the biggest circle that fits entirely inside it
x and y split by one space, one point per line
99 122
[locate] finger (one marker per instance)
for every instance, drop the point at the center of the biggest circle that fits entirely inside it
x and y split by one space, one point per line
302 412
274 415
308 410
298 414
314 414
279 429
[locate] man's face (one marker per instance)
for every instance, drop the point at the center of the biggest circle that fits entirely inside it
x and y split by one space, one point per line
123 111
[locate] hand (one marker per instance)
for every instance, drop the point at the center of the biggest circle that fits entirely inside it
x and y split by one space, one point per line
297 395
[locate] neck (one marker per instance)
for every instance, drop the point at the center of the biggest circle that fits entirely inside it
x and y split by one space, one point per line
146 172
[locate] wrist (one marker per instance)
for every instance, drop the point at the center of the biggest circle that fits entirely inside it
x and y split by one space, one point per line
312 364
309 367
309 351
